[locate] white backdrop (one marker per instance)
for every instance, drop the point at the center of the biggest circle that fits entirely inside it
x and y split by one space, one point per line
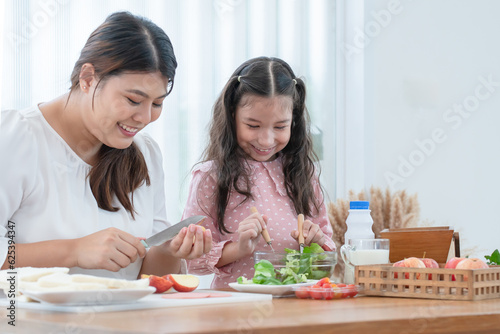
432 96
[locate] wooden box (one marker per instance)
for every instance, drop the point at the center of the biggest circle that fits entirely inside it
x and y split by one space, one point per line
429 242
432 283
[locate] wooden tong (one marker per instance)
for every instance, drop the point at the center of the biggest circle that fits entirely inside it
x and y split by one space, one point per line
265 232
300 228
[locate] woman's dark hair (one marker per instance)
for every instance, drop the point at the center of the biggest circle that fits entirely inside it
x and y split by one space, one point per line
123 43
266 77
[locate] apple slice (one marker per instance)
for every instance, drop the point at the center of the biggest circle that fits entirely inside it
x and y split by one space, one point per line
161 284
184 283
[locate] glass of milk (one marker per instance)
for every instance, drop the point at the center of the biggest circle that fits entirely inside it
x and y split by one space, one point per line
362 252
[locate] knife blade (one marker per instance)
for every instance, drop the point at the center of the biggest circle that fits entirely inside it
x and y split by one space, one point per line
300 227
170 232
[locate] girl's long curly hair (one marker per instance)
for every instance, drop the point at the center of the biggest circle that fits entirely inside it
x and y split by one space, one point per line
266 77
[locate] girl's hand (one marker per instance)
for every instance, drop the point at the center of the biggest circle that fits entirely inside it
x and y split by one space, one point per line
249 231
191 242
312 233
111 249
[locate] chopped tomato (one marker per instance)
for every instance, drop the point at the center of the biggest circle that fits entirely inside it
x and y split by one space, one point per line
316 292
352 290
302 292
328 293
323 281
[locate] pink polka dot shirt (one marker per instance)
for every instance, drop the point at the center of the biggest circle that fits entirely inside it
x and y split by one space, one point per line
270 198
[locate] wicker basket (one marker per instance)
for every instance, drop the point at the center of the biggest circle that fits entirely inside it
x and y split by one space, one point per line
432 283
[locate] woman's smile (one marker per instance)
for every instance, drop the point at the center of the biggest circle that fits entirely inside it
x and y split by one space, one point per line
128 130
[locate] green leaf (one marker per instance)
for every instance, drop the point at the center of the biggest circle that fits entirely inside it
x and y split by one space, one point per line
314 248
243 280
264 267
494 258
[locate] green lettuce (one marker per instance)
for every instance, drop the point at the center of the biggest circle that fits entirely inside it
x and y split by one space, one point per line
296 270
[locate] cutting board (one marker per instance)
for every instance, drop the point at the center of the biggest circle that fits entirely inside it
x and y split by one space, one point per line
148 302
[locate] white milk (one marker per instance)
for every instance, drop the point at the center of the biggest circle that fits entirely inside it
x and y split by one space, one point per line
369 256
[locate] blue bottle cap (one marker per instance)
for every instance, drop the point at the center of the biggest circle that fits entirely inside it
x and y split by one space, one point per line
359 205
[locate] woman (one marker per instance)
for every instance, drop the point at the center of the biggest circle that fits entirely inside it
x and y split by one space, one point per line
83 184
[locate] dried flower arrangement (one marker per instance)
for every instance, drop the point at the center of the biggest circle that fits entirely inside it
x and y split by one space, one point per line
388 210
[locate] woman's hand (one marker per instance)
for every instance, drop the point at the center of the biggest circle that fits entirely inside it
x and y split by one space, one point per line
312 233
191 242
111 249
249 231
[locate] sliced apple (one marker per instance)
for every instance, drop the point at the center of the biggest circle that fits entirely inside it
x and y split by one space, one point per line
184 283
161 284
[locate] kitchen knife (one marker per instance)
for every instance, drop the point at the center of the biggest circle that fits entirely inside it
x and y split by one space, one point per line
300 228
170 232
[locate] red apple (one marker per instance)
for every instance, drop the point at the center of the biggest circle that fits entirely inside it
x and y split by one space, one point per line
411 262
161 284
429 263
472 263
452 263
184 283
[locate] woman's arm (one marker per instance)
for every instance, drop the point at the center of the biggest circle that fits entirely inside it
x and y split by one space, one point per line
54 253
190 243
110 249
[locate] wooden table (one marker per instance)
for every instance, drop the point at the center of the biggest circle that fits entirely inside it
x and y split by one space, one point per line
283 315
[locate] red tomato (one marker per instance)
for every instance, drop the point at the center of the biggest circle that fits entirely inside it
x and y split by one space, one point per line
328 293
341 285
337 293
323 281
316 292
353 290
302 292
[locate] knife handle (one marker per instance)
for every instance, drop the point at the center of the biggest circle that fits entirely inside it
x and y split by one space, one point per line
300 228
265 232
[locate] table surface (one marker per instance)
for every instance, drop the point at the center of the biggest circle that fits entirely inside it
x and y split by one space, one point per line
281 315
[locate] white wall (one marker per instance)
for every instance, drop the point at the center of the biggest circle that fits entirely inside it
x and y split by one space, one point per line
427 60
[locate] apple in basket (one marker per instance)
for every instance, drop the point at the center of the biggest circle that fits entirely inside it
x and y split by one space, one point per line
472 263
465 263
452 264
410 262
430 263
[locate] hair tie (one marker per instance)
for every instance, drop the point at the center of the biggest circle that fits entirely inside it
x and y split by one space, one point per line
239 77
294 81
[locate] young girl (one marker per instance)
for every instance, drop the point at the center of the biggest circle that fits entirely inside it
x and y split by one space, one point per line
83 183
259 155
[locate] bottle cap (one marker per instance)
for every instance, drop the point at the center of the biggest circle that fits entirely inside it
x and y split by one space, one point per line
359 205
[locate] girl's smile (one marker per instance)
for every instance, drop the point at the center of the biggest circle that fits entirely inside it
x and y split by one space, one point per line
263 125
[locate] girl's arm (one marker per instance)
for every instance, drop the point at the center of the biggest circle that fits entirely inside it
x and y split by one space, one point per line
249 231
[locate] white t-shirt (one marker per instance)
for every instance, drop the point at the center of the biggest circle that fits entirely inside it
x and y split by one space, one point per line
45 192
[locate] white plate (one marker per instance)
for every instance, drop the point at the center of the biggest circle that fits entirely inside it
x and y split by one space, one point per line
89 297
275 290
